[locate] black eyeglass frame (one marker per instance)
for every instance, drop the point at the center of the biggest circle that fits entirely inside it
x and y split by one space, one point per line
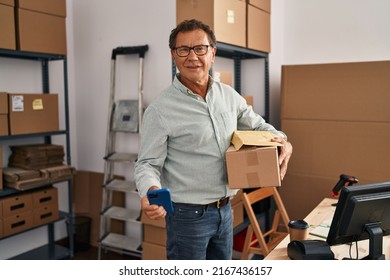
192 48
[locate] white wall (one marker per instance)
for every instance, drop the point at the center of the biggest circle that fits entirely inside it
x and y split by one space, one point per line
303 31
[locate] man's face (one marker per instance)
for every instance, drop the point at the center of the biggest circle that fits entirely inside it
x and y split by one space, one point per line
194 68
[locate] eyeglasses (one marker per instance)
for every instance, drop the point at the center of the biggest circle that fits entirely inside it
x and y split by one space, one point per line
199 50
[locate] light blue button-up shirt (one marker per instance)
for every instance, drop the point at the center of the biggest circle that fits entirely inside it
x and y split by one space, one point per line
184 139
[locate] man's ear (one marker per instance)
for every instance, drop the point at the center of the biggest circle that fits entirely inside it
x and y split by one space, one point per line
214 50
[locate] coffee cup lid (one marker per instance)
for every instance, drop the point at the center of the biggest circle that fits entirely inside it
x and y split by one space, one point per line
299 224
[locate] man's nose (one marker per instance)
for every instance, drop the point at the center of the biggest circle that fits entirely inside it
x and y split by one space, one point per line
192 54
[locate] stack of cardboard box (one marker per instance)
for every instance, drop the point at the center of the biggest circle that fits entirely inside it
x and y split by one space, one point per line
34 26
337 118
243 23
41 26
28 210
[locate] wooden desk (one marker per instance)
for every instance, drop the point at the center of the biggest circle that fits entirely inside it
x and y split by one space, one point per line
323 212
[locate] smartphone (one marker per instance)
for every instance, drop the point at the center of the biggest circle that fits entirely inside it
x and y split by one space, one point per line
161 197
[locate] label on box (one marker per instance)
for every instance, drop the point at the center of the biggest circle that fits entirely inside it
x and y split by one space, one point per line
230 16
37 104
17 103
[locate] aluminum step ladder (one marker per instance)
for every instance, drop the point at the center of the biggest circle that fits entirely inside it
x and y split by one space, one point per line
124 117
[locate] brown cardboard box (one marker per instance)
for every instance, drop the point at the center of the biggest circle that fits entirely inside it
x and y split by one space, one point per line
3 114
7 27
302 193
17 223
265 5
226 17
357 91
327 149
45 197
252 161
337 118
33 113
225 77
45 214
249 99
1 228
17 204
253 167
152 251
8 2
87 200
258 29
236 198
154 230
238 213
39 32
52 7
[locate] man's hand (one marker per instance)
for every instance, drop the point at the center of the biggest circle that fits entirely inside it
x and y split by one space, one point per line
285 154
153 211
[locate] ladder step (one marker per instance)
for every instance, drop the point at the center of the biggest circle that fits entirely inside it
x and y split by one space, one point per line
129 157
121 186
123 214
119 241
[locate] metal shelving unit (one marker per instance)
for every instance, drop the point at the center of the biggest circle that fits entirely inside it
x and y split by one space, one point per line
50 250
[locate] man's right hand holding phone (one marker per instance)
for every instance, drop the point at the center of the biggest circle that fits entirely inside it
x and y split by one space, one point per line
153 211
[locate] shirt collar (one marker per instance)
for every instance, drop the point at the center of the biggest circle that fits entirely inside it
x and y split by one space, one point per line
182 88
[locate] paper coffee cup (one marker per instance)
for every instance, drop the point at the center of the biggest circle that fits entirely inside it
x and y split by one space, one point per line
298 229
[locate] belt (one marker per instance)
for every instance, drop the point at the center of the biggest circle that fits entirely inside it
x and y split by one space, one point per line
219 203
216 204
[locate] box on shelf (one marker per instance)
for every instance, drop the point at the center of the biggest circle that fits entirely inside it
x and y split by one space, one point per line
44 197
225 77
17 204
254 163
265 5
3 114
41 26
7 25
45 214
249 99
52 7
33 113
17 223
226 17
258 29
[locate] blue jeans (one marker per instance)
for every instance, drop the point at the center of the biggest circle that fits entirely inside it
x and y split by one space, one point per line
196 232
